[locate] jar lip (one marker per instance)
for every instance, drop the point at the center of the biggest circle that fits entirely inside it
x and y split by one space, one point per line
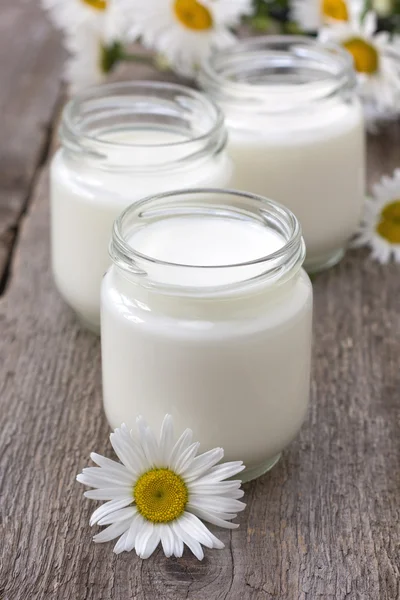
75 123
214 79
126 257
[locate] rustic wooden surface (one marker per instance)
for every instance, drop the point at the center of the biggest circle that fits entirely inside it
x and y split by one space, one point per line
323 525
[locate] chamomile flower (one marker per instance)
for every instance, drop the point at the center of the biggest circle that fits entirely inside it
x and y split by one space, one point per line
95 31
376 59
105 16
185 31
310 15
380 226
161 491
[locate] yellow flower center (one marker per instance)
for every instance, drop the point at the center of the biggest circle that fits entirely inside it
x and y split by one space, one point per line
96 4
389 224
335 9
193 15
366 59
160 495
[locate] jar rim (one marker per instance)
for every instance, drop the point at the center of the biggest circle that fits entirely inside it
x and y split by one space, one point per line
79 116
278 264
331 60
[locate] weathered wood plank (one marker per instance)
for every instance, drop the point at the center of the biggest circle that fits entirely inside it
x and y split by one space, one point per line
324 524
30 67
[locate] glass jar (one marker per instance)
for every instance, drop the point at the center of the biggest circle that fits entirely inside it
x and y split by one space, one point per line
296 133
206 314
119 143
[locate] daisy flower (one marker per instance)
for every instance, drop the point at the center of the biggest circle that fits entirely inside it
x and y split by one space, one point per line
376 59
310 15
185 31
380 226
104 15
161 491
95 31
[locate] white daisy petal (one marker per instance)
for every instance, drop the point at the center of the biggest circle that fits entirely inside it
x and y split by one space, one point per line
109 493
87 48
186 459
191 543
109 508
148 442
223 471
167 540
133 446
120 545
136 525
201 464
307 14
211 517
127 454
193 526
112 532
118 515
107 463
151 543
209 489
166 436
370 23
143 536
178 545
181 445
217 503
99 480
122 477
108 18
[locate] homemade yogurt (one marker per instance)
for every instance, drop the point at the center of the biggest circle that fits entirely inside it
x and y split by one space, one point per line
120 143
296 133
206 314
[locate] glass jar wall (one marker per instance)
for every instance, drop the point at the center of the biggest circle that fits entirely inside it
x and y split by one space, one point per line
119 143
206 314
295 133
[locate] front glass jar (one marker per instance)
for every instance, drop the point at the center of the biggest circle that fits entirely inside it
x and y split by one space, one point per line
206 314
295 133
119 143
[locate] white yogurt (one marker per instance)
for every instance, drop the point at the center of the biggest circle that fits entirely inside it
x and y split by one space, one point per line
295 134
315 166
224 349
112 165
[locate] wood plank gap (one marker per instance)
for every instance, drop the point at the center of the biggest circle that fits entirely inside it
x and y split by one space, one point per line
45 152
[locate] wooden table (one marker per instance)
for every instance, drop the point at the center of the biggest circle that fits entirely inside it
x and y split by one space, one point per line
323 525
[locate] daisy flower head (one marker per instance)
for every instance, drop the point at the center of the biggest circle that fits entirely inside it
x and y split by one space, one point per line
162 491
106 16
186 31
380 226
376 59
95 31
310 15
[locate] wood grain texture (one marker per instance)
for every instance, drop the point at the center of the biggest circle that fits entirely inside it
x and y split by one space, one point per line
30 69
323 525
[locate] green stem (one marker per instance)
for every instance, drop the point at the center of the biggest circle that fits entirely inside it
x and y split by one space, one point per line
139 58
